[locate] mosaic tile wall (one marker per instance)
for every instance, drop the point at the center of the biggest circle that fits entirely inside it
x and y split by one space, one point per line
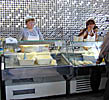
57 19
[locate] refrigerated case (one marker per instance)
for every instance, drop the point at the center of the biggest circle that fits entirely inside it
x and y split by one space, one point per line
83 53
71 72
88 75
33 69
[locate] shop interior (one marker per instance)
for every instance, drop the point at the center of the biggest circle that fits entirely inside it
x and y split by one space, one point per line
61 65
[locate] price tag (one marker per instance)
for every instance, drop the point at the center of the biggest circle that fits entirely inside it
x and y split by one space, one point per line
2 66
58 43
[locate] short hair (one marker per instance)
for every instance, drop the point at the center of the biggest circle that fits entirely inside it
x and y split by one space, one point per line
32 19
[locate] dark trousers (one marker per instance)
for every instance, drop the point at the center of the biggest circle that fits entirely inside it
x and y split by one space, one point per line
95 78
106 93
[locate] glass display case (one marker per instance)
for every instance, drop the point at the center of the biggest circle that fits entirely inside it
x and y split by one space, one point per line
88 75
32 69
83 53
34 53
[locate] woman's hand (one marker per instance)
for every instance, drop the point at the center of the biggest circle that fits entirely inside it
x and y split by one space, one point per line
98 62
85 48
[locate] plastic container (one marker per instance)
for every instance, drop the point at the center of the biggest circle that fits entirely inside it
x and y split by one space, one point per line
43 59
26 58
26 62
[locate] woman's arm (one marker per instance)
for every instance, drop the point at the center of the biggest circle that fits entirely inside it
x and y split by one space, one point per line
40 34
104 49
96 37
21 34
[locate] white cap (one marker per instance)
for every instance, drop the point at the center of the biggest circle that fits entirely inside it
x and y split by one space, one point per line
29 17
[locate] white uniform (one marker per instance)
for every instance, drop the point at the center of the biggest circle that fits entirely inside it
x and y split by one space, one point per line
35 34
90 38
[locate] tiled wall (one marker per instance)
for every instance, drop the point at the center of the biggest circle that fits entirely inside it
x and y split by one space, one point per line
56 19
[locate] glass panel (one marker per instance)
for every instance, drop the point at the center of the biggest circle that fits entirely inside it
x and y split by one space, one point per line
36 61
83 53
35 54
36 74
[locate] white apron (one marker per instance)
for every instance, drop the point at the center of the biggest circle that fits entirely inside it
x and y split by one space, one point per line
90 38
33 37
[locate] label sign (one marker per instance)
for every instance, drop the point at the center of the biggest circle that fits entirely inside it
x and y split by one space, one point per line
58 43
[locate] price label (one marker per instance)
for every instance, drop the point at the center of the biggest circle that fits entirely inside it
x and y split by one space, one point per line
2 66
58 43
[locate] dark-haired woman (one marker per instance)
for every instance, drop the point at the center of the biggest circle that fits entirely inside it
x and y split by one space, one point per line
88 33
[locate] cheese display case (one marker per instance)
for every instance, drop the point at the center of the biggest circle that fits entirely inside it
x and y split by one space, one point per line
88 75
33 69
84 53
34 53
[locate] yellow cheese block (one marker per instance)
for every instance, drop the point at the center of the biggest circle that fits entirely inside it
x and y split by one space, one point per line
103 60
42 53
43 57
75 62
53 62
81 62
26 46
32 48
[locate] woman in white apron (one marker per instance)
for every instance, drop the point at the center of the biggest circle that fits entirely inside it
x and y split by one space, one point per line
88 33
30 32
